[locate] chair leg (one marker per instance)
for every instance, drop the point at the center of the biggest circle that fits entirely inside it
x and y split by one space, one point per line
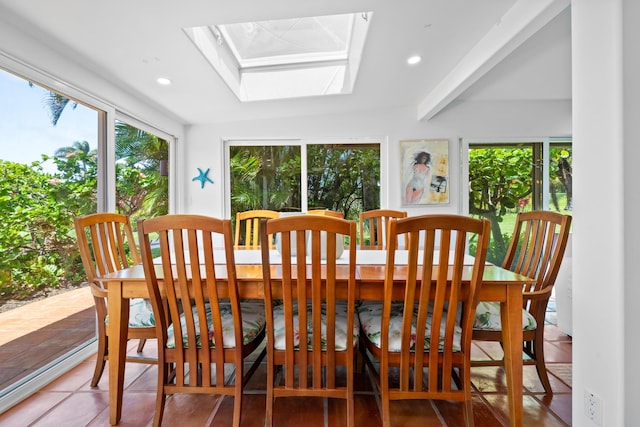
465 381
237 402
468 413
141 344
160 396
100 361
538 354
386 408
351 411
268 416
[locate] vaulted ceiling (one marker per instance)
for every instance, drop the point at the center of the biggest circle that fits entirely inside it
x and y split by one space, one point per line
471 50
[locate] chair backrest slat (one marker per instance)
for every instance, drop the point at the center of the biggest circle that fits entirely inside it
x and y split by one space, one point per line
247 225
376 222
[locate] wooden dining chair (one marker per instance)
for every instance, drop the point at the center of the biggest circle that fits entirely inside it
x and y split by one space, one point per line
107 245
326 212
247 234
311 330
376 222
536 250
422 345
200 322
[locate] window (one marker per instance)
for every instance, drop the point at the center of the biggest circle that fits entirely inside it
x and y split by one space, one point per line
142 173
302 175
286 58
510 177
58 155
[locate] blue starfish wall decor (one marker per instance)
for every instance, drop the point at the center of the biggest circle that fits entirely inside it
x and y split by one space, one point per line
202 177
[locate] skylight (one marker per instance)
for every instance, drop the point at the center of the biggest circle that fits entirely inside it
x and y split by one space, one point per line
286 58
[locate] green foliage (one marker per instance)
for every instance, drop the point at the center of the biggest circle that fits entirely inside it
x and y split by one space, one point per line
36 241
265 177
344 178
500 180
561 177
141 192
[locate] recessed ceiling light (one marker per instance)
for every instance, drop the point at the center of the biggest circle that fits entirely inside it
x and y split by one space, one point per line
414 59
163 81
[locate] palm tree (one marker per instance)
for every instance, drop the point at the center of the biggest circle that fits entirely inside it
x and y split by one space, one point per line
56 104
141 189
80 150
135 149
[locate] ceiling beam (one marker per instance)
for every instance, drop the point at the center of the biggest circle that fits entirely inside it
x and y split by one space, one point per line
520 22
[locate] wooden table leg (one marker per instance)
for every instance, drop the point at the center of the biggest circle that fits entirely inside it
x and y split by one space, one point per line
118 308
511 317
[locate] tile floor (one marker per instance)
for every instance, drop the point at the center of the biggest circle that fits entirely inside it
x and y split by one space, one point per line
70 401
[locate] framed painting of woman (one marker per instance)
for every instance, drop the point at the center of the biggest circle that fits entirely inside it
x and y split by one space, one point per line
425 171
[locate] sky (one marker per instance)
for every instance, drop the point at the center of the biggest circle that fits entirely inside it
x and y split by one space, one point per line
26 131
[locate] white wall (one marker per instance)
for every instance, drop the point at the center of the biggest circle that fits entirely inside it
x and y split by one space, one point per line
606 100
204 149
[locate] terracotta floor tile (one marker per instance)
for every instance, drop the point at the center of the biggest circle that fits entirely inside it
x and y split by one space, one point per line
253 407
559 403
79 409
298 411
27 411
483 416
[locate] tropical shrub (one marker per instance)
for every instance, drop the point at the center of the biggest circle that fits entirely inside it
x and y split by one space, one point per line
36 239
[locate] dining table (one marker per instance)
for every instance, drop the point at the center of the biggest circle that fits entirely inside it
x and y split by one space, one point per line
498 284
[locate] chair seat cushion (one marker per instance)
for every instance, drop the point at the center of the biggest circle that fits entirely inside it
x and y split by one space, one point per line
370 314
341 327
253 322
140 313
488 318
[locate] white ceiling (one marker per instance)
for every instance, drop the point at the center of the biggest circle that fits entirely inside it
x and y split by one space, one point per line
132 43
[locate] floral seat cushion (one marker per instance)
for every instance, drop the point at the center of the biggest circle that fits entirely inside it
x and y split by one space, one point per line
341 327
253 322
370 314
488 318
140 313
